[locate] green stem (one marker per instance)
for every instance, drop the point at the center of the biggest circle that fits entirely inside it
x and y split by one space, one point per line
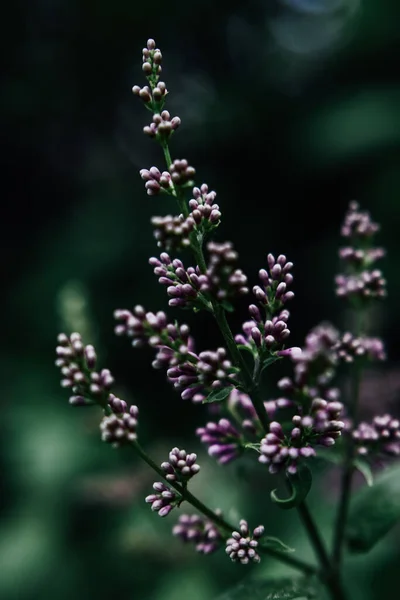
347 476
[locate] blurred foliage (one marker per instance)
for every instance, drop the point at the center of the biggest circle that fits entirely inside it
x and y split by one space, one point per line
289 110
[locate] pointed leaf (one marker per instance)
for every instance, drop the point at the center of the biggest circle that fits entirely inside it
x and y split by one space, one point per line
269 361
300 484
374 511
365 469
276 544
218 395
273 589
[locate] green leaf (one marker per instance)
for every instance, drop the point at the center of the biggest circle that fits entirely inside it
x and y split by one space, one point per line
365 469
276 544
226 305
272 589
247 348
374 511
300 485
218 395
269 361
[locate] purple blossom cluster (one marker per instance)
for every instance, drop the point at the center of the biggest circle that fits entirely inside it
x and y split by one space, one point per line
180 466
120 427
314 367
185 287
172 232
199 531
224 441
242 546
282 450
181 172
380 437
156 182
264 336
77 363
153 95
205 213
193 375
349 347
226 281
162 126
164 500
273 292
360 281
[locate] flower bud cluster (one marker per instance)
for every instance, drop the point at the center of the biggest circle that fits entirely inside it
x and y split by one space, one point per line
349 347
242 546
77 363
193 375
315 367
185 286
153 95
172 232
156 182
380 437
120 427
180 466
199 531
223 440
181 172
201 374
162 126
225 280
273 292
205 213
164 500
359 281
282 450
264 336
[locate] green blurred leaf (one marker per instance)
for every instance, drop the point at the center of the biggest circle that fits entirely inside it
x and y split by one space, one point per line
218 395
300 484
272 589
374 511
269 361
276 544
365 469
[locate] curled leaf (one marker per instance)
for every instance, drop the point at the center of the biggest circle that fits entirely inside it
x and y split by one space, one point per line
299 484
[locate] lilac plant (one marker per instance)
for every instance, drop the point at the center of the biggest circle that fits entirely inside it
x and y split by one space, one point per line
309 417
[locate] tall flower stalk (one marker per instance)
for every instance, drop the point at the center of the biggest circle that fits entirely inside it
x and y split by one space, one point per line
282 435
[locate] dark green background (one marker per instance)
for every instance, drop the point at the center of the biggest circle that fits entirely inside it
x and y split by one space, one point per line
289 110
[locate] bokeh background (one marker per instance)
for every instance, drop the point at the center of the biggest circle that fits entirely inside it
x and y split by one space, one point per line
290 109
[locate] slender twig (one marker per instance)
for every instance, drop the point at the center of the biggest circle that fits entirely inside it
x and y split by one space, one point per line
217 519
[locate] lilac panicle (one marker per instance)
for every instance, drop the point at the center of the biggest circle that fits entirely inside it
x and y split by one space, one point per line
225 280
162 126
198 377
164 500
242 546
77 363
156 182
282 450
172 233
181 172
180 466
360 282
205 213
223 440
185 287
193 375
381 437
199 531
154 94
315 367
273 292
349 347
120 427
266 337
